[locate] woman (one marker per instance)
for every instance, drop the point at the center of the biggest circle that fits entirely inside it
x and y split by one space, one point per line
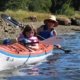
47 30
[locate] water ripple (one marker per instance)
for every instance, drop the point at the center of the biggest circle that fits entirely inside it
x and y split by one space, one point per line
60 66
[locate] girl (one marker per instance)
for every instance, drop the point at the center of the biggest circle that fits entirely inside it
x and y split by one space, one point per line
27 37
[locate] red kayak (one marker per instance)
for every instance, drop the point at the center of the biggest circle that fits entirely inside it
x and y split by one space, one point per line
16 54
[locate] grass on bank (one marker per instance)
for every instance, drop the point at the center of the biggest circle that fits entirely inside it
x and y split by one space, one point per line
22 16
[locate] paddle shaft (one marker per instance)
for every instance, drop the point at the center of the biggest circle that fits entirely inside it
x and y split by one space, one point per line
66 51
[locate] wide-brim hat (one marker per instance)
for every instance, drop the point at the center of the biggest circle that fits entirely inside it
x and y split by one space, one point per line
51 18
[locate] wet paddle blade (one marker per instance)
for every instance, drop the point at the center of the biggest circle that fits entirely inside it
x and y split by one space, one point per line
65 50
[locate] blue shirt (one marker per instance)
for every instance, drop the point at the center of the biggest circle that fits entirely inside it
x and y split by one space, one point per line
45 33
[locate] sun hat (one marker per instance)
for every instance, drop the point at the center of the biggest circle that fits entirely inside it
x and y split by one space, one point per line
51 18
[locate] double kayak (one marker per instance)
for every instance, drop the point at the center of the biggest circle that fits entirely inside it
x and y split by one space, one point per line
14 55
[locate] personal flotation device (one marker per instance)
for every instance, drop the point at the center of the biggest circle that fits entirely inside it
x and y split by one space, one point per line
45 33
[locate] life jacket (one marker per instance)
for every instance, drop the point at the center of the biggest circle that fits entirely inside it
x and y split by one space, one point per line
45 33
23 39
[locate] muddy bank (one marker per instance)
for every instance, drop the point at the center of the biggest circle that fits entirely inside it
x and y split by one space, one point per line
12 32
62 29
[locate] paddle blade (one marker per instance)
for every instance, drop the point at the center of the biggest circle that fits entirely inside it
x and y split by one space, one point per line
11 21
52 40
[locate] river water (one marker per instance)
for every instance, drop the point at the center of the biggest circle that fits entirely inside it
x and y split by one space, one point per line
60 66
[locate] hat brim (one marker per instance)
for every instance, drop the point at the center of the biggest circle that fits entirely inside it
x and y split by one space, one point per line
55 22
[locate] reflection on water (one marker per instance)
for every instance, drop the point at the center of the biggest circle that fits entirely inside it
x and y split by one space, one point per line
60 66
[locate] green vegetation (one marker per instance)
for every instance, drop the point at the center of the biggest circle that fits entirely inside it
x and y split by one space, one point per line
22 15
22 9
66 7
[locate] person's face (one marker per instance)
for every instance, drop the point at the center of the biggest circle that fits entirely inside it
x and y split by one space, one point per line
51 24
30 33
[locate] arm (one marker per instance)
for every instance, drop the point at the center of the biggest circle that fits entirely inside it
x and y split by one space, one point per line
53 33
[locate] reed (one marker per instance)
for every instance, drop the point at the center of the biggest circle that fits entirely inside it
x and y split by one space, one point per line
22 15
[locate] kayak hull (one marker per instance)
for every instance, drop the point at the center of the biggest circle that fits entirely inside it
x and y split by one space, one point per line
10 60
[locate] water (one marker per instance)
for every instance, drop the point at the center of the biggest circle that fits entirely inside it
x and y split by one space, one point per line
60 66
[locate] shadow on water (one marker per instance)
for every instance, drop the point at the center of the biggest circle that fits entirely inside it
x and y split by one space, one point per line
60 66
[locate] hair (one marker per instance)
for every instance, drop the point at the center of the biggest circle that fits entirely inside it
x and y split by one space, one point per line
28 28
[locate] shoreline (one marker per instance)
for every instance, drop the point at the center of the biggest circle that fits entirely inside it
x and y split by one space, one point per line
12 32
62 29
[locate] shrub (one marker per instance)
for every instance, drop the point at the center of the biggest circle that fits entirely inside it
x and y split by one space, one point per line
67 10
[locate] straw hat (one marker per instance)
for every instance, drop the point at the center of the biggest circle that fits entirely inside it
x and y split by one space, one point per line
51 18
